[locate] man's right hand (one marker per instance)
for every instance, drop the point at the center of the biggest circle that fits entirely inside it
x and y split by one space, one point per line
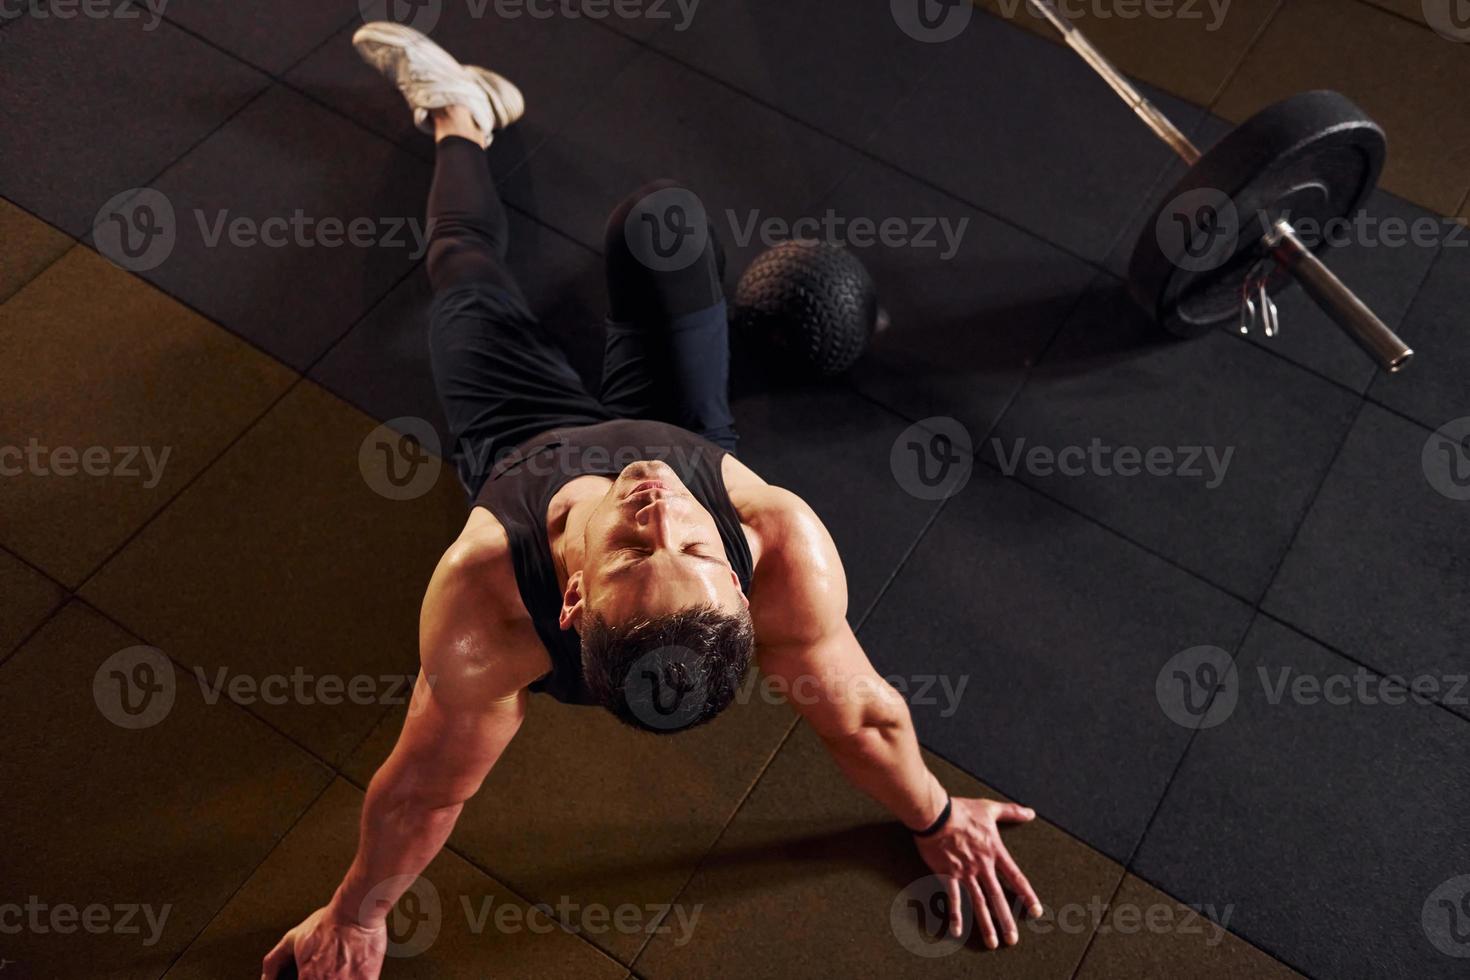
325 947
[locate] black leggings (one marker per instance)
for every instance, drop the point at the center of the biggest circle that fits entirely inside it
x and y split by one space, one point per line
502 381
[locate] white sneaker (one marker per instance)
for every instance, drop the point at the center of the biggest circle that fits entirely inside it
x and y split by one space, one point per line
506 100
430 78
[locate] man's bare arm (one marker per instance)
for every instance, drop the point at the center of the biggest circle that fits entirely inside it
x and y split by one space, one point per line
800 612
468 702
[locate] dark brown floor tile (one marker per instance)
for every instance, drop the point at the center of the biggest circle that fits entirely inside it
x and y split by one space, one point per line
169 818
583 810
30 246
1148 934
1397 71
283 561
1190 53
1412 9
809 881
451 932
104 370
26 598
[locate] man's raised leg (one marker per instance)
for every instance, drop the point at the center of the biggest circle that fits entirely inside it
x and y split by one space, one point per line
668 345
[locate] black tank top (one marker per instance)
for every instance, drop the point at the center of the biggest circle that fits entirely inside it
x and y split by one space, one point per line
521 486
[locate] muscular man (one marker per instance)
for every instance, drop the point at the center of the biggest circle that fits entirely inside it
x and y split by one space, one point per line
617 553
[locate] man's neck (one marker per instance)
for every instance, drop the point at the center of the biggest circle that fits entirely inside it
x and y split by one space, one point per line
566 522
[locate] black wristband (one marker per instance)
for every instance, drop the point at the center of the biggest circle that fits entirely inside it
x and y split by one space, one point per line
939 821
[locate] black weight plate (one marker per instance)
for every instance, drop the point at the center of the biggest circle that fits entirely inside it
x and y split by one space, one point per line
1313 158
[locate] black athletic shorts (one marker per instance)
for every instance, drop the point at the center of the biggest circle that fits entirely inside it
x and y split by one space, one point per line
502 380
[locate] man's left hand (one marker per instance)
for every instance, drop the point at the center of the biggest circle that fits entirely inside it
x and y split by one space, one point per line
969 853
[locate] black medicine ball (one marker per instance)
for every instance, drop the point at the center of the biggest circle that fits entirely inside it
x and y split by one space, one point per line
810 302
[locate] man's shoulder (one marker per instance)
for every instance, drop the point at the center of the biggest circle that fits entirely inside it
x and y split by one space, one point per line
775 513
478 571
473 621
482 546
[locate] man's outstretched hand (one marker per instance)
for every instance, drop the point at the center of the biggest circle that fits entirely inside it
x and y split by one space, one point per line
325 948
969 853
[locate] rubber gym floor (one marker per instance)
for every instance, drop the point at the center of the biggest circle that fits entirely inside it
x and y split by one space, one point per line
219 408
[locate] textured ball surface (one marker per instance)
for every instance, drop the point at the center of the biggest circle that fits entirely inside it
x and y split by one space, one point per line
812 302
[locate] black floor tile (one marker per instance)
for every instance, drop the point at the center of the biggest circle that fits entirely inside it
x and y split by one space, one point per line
1022 128
643 19
559 64
382 366
659 119
1240 439
1379 569
838 66
833 448
270 34
302 282
972 300
1059 630
94 107
1433 388
1324 827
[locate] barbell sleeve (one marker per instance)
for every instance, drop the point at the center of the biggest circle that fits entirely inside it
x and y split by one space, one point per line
1337 300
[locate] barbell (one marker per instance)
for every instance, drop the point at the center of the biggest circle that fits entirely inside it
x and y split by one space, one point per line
1224 243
